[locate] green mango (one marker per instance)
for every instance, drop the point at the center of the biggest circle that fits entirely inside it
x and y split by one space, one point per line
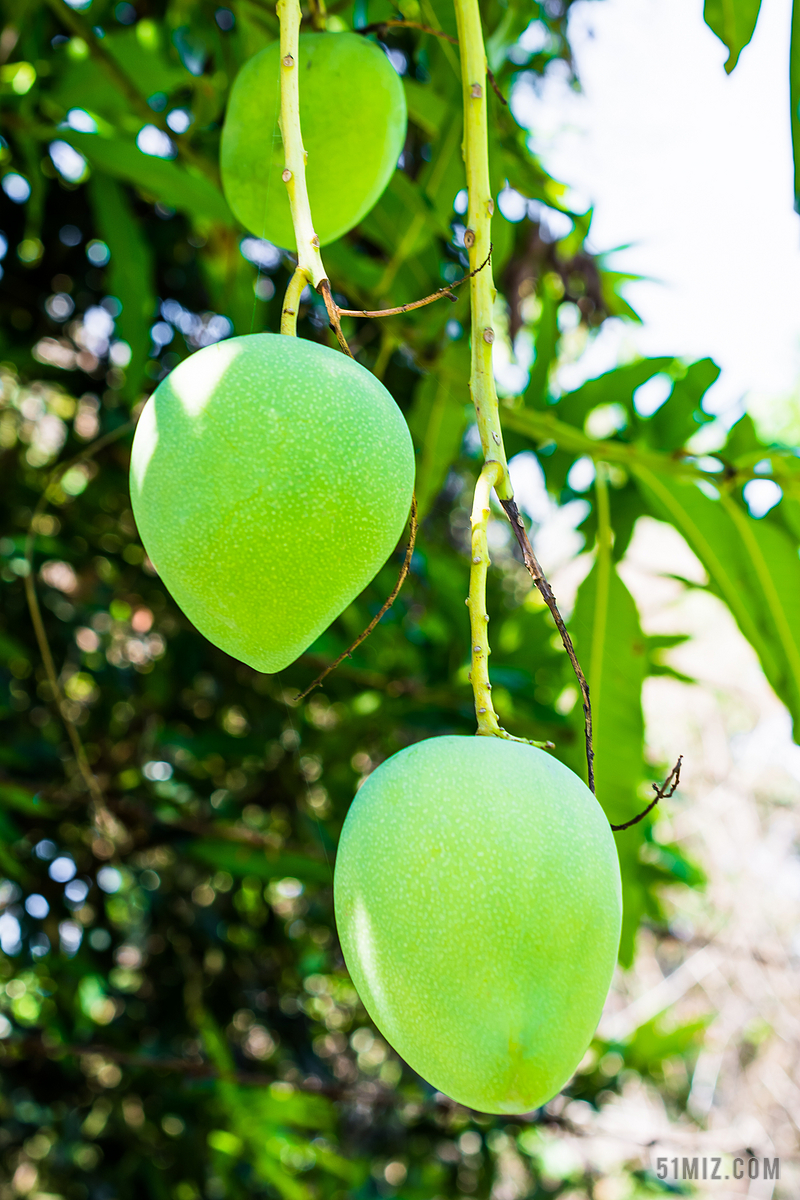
271 478
478 903
353 119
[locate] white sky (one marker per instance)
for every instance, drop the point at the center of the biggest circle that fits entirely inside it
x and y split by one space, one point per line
694 168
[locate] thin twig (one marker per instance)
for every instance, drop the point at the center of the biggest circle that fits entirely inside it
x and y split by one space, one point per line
538 576
333 313
437 295
412 537
85 769
664 792
377 26
495 86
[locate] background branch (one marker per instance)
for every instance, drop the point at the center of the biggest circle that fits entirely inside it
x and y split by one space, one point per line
35 611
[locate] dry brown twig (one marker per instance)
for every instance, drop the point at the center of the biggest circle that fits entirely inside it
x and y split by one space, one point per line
669 786
334 313
377 26
539 578
412 537
403 308
664 792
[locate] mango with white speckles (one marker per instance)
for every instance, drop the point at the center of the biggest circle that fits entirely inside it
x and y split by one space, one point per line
478 903
271 478
353 117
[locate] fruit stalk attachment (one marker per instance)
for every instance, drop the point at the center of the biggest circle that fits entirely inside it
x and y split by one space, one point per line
477 240
294 175
310 268
488 723
291 301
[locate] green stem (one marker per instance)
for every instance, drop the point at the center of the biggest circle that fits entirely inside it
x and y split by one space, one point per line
291 302
477 238
488 724
294 175
478 616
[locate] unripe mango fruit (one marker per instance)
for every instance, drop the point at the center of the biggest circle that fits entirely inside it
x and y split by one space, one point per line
271 478
478 903
353 121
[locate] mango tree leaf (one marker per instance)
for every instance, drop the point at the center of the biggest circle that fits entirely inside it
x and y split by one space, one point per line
139 52
401 222
611 285
515 20
613 387
240 860
426 108
613 652
173 185
742 442
438 420
752 565
130 273
24 801
681 415
229 278
651 1044
546 339
794 97
443 177
733 21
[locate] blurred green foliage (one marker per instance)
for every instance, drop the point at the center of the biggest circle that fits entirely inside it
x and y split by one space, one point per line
176 1017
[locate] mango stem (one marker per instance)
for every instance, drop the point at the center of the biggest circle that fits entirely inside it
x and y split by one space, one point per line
294 175
291 301
477 238
488 723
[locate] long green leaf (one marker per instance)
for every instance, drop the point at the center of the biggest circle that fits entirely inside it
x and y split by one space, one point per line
130 272
241 860
171 184
612 649
752 565
733 21
794 97
437 421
